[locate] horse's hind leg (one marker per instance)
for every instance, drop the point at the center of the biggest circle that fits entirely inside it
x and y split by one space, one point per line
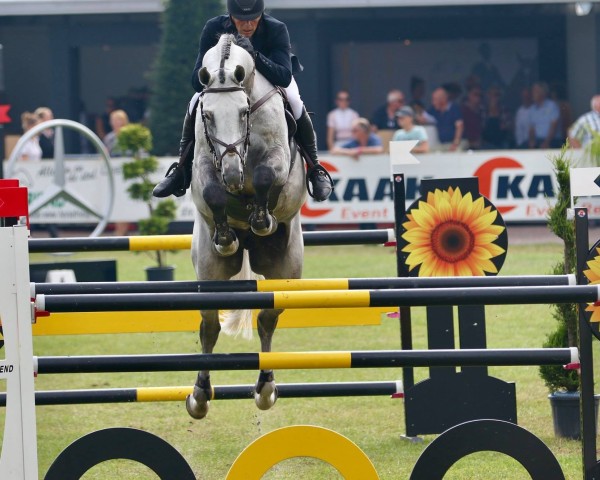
265 390
198 402
225 240
261 221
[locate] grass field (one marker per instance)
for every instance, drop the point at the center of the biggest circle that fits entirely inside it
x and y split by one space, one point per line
374 424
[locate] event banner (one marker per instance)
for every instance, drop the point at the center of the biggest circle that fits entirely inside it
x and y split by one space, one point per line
521 183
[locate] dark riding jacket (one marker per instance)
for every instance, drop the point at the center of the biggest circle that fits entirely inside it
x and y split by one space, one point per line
271 42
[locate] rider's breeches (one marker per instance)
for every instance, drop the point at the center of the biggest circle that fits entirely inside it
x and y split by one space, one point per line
292 92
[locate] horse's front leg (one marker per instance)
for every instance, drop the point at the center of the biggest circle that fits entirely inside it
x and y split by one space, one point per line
261 220
198 402
265 390
225 240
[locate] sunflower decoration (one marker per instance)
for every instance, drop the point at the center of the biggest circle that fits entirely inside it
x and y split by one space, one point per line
593 276
451 234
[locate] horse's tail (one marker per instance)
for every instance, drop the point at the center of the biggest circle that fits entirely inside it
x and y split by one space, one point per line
234 322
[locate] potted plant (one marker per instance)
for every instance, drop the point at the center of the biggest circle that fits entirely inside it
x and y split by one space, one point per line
562 383
137 140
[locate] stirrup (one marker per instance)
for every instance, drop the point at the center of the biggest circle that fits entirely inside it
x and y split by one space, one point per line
314 171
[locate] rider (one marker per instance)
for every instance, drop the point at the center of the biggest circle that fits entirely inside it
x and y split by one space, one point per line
269 44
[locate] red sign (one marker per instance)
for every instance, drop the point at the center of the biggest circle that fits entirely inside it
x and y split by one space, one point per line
4 118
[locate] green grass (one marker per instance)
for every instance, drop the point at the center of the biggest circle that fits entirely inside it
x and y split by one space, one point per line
374 424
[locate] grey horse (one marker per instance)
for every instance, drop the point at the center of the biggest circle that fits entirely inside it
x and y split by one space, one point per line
248 188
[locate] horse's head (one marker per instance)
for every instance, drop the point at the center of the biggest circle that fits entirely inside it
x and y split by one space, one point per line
225 109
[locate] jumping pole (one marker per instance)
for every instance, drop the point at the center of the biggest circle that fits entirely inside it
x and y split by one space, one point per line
317 299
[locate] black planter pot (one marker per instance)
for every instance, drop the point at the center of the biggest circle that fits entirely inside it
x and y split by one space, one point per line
566 415
160 274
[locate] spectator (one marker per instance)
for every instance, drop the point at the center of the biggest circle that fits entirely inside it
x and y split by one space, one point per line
581 133
363 142
523 119
44 114
448 119
417 90
545 115
472 113
118 119
559 95
339 120
103 127
496 122
410 131
31 150
385 116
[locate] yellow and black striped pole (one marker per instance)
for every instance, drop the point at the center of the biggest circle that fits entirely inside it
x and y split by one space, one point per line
298 284
317 299
306 360
184 242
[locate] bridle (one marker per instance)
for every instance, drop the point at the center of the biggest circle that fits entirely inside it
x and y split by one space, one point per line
245 139
229 147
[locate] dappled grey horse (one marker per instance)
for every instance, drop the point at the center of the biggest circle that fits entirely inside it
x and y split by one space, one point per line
248 188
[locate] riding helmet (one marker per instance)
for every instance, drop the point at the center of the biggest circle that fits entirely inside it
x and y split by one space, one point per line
245 9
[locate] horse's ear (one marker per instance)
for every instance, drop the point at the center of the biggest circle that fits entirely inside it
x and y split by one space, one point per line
204 76
239 74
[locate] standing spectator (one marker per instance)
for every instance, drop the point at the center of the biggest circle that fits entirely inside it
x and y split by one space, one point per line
581 133
118 119
339 120
417 90
449 121
523 119
44 114
363 142
103 127
31 150
472 113
410 131
545 115
496 124
384 118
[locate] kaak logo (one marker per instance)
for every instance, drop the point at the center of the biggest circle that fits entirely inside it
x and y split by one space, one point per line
306 211
503 179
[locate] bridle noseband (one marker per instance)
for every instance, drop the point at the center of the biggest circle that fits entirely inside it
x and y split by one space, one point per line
231 147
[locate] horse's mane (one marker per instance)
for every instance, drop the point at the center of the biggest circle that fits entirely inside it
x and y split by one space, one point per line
225 52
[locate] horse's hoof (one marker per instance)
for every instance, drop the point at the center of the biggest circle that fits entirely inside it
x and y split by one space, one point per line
267 396
265 228
195 409
228 250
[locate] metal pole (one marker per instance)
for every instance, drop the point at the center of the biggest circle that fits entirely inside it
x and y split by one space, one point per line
399 189
297 284
588 416
316 299
224 392
305 360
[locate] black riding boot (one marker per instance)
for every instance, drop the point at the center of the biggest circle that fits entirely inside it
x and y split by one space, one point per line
179 175
322 186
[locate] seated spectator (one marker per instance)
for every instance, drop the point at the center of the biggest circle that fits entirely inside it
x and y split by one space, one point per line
472 113
523 119
545 115
363 142
448 119
118 119
31 150
339 121
44 114
586 126
496 123
385 116
410 131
